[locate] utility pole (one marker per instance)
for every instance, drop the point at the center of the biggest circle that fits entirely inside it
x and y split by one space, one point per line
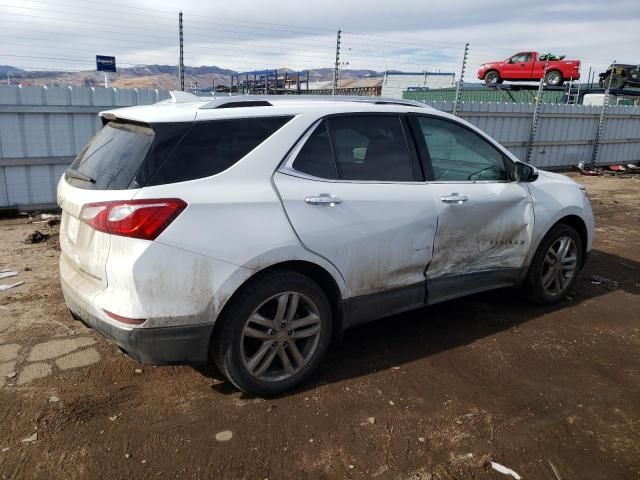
603 117
536 113
181 59
456 103
337 65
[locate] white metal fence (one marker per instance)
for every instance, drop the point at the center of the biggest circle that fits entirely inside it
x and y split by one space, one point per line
42 129
565 133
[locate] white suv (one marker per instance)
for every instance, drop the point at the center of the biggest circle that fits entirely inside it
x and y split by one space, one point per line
253 230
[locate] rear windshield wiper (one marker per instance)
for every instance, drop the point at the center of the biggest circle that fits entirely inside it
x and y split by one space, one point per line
73 173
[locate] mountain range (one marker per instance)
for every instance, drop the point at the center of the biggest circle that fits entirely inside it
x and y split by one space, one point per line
157 76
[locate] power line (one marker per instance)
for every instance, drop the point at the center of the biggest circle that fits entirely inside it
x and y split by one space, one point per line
238 35
193 47
407 41
120 7
60 59
168 24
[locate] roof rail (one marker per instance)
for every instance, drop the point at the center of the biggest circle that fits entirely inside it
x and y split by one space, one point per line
266 100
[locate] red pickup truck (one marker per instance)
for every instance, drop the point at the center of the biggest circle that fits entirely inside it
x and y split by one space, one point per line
528 66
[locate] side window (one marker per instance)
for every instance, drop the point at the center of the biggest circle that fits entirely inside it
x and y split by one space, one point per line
316 158
211 147
458 154
370 148
521 58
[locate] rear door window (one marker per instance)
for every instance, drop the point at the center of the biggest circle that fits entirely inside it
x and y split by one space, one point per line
315 157
112 157
370 148
210 147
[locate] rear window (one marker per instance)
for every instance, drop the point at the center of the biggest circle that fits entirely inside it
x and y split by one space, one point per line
126 155
112 157
211 147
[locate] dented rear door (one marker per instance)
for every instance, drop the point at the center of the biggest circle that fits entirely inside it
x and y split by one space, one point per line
352 197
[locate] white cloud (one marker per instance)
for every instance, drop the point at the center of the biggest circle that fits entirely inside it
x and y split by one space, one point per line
244 34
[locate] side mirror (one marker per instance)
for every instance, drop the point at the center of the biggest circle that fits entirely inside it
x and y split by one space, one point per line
526 172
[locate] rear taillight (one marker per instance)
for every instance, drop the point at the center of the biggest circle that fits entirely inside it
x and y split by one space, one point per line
144 219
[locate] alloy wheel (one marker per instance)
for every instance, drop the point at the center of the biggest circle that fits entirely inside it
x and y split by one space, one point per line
280 337
559 266
553 78
491 78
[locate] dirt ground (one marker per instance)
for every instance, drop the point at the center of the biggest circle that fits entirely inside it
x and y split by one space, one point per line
550 392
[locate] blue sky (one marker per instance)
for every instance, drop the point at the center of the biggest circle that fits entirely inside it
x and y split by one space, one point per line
411 35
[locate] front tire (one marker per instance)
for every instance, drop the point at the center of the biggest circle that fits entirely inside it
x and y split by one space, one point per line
492 77
555 265
274 334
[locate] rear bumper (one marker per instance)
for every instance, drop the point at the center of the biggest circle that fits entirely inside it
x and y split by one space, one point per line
156 346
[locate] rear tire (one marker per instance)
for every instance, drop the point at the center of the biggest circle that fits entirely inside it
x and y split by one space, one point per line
617 82
554 78
274 334
555 265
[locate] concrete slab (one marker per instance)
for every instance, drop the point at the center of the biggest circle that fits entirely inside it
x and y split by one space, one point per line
6 369
6 322
57 348
33 372
9 352
78 359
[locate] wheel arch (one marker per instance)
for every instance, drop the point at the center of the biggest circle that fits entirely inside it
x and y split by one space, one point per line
579 225
562 78
572 220
489 71
315 272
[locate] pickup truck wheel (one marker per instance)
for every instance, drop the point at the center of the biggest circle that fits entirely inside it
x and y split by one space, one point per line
274 334
616 82
492 78
555 265
554 78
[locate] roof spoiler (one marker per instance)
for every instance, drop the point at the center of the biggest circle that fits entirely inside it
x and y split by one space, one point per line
178 96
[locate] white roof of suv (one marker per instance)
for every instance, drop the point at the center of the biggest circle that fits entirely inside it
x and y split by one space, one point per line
184 106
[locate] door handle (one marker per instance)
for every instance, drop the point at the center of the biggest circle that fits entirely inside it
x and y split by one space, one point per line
323 199
454 198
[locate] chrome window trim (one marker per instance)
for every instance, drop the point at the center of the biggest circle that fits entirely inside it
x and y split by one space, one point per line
287 166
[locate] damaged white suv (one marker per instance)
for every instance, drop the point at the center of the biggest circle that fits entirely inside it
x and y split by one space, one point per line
253 230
